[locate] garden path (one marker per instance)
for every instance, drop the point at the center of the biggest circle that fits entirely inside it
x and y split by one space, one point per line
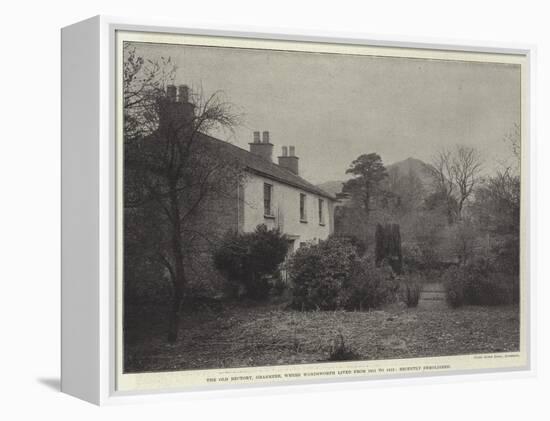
432 296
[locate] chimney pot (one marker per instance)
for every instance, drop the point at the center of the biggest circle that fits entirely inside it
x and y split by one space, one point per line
263 149
171 92
183 93
288 160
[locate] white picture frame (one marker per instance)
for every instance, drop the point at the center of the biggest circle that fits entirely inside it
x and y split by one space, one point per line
89 219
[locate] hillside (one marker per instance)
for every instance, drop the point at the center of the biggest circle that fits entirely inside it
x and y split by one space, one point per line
331 187
420 168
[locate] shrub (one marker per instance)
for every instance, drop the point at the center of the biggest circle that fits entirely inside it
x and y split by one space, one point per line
370 286
318 273
507 255
478 282
507 259
483 284
428 235
412 257
330 275
356 242
248 260
340 352
277 284
411 293
454 286
462 239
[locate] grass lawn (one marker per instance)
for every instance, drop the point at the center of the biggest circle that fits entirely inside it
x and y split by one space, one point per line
269 335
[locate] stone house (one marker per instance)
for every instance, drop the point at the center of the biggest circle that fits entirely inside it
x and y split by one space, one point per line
264 192
270 193
274 194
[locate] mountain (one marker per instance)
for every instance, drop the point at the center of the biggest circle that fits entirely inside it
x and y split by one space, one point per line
331 187
420 168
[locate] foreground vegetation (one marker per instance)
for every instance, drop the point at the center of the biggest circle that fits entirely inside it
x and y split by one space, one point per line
266 334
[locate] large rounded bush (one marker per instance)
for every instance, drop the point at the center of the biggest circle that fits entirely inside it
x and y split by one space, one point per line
330 275
248 260
319 272
479 282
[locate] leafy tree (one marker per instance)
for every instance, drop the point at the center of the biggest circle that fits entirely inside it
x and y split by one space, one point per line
365 187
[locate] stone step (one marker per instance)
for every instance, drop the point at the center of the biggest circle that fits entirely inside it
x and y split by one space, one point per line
433 296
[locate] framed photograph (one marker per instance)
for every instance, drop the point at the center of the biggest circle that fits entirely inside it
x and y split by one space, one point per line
244 209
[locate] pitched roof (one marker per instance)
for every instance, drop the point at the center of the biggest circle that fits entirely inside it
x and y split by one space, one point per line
258 165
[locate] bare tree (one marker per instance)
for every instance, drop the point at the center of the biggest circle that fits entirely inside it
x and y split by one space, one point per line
513 138
497 206
170 162
465 170
455 174
463 240
143 82
441 171
498 202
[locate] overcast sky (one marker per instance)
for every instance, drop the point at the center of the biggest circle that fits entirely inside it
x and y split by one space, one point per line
335 107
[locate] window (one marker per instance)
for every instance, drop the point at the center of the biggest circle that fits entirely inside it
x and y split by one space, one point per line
303 210
321 214
268 192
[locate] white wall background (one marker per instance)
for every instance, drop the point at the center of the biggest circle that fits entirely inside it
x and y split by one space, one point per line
29 220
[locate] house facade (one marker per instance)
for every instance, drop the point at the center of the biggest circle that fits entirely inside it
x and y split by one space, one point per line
268 191
274 194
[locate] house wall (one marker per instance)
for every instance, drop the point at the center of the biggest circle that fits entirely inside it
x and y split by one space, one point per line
219 213
242 208
203 232
286 210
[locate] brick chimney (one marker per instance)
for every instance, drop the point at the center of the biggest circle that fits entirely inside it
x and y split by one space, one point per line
262 147
183 94
175 109
289 160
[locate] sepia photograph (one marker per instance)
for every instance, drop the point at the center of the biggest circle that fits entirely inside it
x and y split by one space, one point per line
283 207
